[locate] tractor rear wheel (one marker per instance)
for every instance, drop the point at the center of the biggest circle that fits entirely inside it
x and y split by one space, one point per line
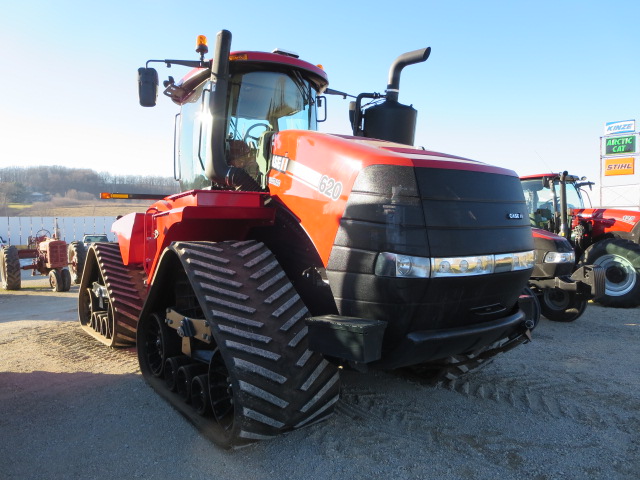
620 260
561 306
261 378
77 255
9 268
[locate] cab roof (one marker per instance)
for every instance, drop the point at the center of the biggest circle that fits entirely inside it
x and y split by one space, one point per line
247 59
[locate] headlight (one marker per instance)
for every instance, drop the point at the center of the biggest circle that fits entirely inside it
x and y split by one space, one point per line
514 261
407 266
456 266
560 257
394 265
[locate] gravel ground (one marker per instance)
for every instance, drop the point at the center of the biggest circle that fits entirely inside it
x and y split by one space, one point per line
566 406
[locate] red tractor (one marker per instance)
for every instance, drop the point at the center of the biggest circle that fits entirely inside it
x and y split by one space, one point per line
49 256
602 237
291 253
562 290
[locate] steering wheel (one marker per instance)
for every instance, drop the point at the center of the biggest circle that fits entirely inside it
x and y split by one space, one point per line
546 206
255 138
43 233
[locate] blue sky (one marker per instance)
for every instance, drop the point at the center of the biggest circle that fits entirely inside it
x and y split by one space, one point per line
519 84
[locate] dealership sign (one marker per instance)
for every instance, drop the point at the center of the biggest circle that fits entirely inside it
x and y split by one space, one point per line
619 166
624 126
616 145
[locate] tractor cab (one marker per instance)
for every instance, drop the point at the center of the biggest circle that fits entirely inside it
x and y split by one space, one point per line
544 197
231 107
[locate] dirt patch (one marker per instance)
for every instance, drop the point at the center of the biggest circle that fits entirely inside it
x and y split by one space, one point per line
564 406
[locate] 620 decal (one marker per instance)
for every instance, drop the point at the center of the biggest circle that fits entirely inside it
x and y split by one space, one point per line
330 187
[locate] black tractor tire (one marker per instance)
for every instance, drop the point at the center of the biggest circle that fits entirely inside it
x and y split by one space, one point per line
621 261
10 268
262 379
77 256
55 281
561 306
65 277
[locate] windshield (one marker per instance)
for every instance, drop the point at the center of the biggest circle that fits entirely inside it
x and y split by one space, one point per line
278 101
96 238
262 103
540 197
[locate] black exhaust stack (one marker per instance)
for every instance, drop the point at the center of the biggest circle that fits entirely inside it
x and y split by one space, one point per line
391 120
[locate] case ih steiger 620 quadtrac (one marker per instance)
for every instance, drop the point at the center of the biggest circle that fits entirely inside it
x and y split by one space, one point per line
603 237
291 252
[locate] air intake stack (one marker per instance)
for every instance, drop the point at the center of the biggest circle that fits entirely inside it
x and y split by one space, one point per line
391 120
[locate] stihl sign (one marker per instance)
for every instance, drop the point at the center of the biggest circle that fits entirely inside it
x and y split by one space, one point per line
619 166
625 126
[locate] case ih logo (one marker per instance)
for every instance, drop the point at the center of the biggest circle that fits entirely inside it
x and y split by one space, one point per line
619 166
625 126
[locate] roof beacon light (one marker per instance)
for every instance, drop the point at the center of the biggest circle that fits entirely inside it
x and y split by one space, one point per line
201 46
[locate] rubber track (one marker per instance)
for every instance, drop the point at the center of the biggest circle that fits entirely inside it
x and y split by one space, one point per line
259 327
126 292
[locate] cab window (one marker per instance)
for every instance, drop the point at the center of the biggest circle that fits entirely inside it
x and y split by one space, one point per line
262 103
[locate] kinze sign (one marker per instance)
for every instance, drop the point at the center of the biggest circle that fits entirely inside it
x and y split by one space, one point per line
625 126
619 166
620 145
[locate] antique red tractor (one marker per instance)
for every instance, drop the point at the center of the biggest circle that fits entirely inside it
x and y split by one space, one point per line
49 256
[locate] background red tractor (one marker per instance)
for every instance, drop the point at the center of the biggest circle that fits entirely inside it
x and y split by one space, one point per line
603 237
49 256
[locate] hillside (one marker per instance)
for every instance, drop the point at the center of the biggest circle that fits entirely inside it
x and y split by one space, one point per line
62 191
95 209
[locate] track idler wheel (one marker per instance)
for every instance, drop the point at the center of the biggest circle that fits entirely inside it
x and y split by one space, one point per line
185 376
171 367
200 394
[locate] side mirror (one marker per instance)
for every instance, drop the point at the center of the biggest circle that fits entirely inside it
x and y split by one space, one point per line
321 108
147 86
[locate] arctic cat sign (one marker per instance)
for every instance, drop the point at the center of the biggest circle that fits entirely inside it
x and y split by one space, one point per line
616 145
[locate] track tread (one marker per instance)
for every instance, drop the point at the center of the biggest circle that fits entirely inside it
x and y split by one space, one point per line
279 384
126 290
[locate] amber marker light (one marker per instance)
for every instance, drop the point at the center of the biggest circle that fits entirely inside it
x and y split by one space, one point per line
107 195
202 45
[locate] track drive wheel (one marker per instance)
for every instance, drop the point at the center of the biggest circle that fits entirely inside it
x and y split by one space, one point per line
77 255
10 268
621 262
561 306
261 379
158 343
55 281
